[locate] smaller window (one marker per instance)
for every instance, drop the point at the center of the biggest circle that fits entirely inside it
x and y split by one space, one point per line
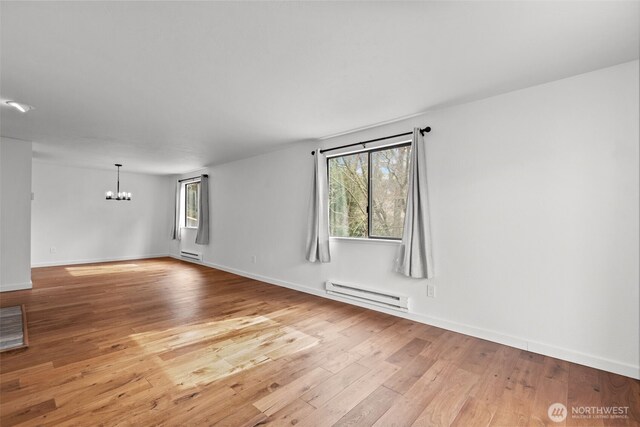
191 194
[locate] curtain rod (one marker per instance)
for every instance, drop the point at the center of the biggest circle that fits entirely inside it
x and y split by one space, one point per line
193 177
422 131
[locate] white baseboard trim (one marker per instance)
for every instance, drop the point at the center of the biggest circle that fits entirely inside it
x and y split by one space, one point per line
580 358
94 260
609 365
16 286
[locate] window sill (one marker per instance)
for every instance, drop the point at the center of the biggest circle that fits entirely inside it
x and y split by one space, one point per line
365 240
190 228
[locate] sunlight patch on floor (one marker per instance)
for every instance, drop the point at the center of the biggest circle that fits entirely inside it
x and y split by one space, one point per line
92 270
192 355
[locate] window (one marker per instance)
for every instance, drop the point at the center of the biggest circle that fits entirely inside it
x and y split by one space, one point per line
368 193
191 195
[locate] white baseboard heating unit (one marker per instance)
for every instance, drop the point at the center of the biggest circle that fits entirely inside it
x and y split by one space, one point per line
191 255
370 296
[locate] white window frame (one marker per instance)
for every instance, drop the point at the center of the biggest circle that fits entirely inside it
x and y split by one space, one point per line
369 237
183 202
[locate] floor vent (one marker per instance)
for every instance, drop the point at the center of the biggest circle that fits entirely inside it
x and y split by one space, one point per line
191 255
370 296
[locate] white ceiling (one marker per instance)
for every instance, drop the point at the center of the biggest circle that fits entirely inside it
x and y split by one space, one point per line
167 87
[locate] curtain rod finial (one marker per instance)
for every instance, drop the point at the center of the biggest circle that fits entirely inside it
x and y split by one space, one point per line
313 153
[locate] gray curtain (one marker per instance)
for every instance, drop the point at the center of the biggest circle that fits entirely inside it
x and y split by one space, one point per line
318 245
415 259
175 231
202 238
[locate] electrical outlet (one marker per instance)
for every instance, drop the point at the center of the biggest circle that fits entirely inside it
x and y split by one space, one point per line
253 259
52 249
431 291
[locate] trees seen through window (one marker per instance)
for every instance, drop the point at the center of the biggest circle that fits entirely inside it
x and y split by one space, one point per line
368 193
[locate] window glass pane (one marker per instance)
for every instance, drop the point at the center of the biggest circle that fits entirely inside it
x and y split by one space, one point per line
389 184
348 193
191 204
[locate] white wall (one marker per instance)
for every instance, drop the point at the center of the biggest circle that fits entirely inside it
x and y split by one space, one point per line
15 214
70 214
534 201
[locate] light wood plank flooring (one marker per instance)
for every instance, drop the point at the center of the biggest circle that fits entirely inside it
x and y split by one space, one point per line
163 342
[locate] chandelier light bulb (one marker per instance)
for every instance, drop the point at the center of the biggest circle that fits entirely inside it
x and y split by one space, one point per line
23 108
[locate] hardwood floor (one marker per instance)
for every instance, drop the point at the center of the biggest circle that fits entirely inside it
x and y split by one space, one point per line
163 342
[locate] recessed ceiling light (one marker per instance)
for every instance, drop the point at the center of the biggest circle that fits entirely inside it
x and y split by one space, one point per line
23 108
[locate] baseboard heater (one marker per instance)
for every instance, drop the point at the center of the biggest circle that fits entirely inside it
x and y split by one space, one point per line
370 296
191 255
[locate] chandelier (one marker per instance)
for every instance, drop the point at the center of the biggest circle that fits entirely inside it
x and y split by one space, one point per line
119 195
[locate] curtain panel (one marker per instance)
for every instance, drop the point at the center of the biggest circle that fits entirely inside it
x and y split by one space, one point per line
175 231
202 238
415 257
318 243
